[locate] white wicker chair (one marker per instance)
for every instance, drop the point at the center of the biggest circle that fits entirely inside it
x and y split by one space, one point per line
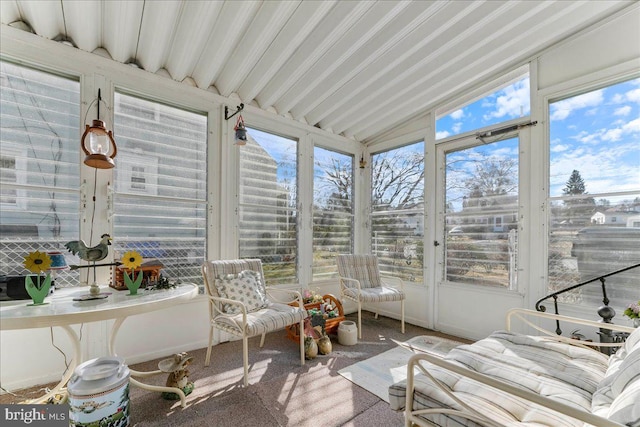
361 282
246 322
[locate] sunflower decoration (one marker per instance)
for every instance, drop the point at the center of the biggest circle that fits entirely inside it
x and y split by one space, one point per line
37 262
132 260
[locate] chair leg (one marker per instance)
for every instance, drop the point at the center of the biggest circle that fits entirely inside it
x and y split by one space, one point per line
262 340
359 320
207 359
402 314
245 359
302 342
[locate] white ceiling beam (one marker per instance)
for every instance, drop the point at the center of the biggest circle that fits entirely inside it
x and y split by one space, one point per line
295 31
120 29
153 45
256 39
338 21
353 40
233 21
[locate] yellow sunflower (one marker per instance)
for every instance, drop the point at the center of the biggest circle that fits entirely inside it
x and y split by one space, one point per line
132 260
37 262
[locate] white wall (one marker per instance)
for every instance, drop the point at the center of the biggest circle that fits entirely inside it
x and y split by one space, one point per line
28 358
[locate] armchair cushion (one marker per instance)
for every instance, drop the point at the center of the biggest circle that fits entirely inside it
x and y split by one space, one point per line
245 287
363 268
273 317
375 294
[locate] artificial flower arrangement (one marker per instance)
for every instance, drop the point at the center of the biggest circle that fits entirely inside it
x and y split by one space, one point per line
132 260
633 311
309 297
37 262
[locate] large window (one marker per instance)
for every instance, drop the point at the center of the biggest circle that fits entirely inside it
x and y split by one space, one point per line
332 210
268 204
594 192
481 214
160 183
397 211
39 166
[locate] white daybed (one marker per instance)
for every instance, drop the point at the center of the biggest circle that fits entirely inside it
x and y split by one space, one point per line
510 379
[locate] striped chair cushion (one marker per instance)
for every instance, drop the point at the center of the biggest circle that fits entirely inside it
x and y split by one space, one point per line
275 316
377 294
363 268
618 395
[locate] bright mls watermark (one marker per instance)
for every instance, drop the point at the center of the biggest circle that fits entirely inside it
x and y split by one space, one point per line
34 415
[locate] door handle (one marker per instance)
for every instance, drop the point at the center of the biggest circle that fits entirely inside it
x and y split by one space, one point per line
435 243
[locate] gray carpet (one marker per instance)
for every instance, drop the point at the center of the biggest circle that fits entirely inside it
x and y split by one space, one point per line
281 392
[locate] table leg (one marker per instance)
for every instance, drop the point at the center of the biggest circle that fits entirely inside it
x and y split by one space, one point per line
60 388
112 351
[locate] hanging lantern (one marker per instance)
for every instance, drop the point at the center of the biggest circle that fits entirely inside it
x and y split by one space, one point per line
241 132
97 144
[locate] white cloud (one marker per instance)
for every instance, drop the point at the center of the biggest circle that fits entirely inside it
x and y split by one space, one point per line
512 101
612 135
559 148
633 95
442 134
458 114
622 111
456 127
632 126
562 109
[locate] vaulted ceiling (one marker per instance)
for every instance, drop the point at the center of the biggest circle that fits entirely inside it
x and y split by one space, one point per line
355 68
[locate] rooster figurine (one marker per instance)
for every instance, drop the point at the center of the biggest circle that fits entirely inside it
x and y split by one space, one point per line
91 254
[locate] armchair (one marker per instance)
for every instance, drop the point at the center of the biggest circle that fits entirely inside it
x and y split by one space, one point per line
361 282
241 304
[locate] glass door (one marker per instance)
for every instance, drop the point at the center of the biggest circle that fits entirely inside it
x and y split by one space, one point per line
477 239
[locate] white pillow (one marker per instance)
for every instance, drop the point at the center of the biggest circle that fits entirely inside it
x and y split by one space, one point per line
245 287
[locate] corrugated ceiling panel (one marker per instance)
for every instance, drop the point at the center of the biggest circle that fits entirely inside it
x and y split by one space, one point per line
257 38
153 45
83 21
233 21
377 73
192 33
337 22
353 40
45 17
120 29
9 11
357 68
293 33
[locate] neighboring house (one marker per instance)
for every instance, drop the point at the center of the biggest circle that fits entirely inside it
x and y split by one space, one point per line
495 212
633 221
614 216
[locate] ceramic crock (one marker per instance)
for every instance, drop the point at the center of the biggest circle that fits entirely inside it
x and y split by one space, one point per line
99 393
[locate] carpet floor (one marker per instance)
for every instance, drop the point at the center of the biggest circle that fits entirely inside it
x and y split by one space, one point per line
281 392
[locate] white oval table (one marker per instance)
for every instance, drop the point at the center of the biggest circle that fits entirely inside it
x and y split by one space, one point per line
61 310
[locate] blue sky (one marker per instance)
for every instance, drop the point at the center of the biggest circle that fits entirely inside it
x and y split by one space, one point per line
596 133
